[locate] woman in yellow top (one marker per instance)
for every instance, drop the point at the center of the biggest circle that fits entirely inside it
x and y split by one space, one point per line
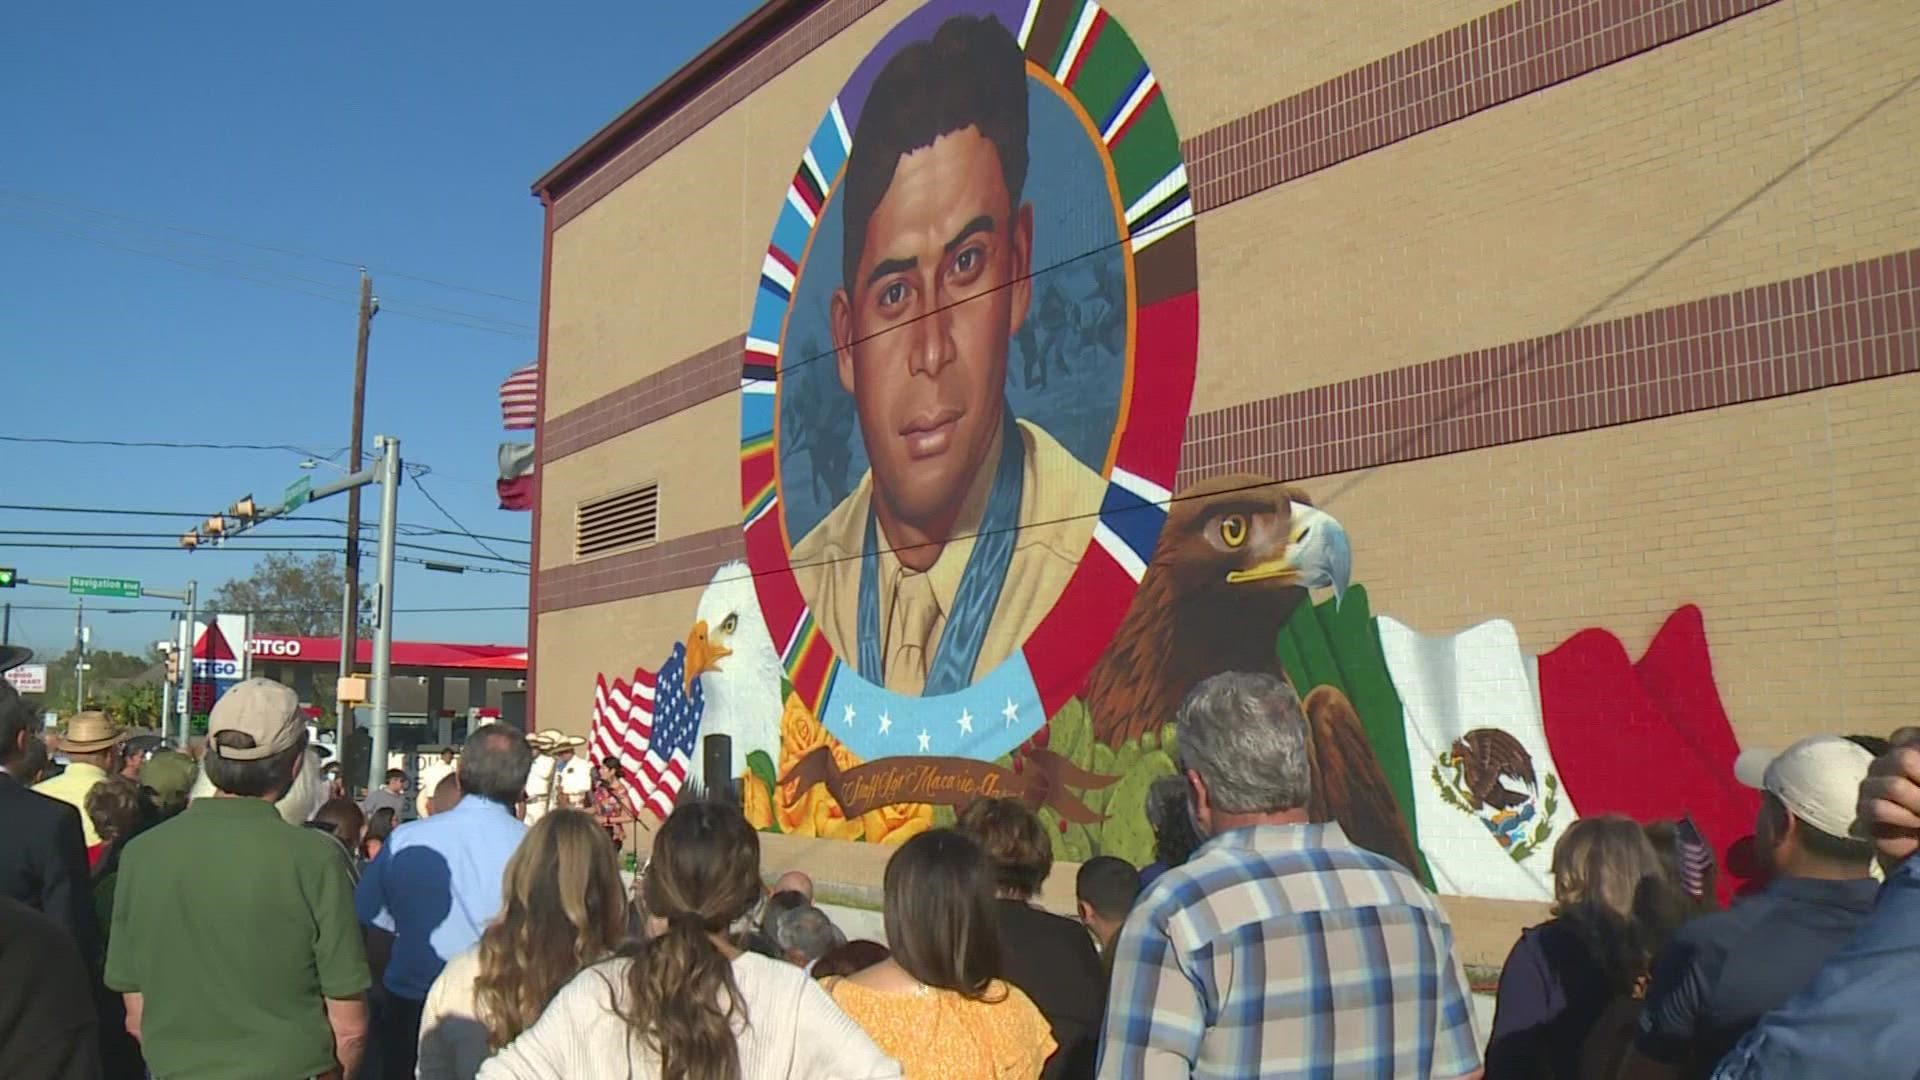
937 1005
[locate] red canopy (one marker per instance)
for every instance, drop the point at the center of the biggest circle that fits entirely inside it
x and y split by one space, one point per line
411 654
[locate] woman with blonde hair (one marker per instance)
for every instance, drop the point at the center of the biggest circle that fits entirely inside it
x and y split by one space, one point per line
938 1003
563 908
691 1004
1572 983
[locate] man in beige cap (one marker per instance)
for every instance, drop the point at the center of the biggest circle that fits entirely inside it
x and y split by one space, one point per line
234 938
91 745
1723 971
539 796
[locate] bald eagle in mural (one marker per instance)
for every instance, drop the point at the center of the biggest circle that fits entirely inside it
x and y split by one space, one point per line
739 668
1236 557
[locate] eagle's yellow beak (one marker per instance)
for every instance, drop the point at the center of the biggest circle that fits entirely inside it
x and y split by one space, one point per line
1285 569
703 653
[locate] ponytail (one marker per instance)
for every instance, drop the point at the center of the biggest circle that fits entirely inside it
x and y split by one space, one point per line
682 1000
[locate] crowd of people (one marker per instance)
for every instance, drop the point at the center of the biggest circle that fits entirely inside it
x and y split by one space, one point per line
239 916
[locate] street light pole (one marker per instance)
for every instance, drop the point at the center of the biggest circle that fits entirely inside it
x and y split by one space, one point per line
80 655
389 448
186 667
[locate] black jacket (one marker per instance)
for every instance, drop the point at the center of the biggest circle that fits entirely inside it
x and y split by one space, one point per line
43 862
1053 961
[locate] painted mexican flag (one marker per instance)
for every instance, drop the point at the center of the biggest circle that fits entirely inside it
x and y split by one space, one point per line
1492 752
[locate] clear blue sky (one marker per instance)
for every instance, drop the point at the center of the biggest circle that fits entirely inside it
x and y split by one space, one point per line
404 136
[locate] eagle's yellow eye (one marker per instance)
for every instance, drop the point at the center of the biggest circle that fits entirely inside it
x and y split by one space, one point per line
1233 530
728 624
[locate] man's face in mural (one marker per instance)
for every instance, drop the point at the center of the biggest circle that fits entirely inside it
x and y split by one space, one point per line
921 334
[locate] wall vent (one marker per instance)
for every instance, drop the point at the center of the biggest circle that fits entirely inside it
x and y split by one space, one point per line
623 519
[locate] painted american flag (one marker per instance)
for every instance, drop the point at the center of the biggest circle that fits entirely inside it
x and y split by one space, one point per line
650 726
520 398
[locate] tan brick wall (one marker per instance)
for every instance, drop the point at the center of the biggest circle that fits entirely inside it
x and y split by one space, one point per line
1789 522
694 454
1220 61
604 639
1522 220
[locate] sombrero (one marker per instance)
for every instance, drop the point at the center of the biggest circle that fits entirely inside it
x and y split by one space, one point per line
90 732
555 739
12 656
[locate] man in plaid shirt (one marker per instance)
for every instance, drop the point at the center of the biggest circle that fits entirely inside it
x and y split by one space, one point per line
1280 949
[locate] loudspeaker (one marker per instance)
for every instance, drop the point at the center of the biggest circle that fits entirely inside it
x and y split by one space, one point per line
717 768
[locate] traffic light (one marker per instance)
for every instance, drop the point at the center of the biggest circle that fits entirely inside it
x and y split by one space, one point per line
190 540
216 526
7 577
244 509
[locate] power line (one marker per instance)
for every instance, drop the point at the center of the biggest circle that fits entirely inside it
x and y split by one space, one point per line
269 248
119 535
294 283
415 475
92 611
161 444
268 550
200 515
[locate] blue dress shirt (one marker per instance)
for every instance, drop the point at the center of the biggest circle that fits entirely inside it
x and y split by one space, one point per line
1856 1020
435 886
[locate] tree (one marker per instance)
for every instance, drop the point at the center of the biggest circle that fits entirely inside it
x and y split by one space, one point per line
286 595
136 704
107 673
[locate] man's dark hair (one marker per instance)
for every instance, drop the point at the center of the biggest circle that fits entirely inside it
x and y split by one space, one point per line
396 774
15 719
1872 744
1174 837
269 776
782 902
494 764
971 73
1108 885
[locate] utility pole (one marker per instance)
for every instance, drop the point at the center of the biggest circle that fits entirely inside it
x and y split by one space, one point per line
6 627
350 601
186 666
80 655
389 448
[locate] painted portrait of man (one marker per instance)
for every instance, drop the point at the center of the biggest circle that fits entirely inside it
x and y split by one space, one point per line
969 520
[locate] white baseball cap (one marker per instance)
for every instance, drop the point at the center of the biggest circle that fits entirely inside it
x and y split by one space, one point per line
1817 779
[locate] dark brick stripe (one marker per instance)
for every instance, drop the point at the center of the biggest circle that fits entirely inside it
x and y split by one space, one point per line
1855 322
809 33
683 384
1521 48
1844 325
1503 55
683 562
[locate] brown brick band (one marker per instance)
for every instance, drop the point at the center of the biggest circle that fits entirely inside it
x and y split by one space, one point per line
1521 48
705 375
1855 322
1496 58
680 563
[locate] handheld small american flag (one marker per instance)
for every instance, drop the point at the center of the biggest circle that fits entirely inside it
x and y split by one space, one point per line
1696 858
649 726
520 398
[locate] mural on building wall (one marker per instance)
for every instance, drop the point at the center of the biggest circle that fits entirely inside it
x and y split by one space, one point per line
966 385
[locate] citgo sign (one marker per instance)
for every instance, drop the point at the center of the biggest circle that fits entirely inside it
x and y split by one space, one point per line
282 647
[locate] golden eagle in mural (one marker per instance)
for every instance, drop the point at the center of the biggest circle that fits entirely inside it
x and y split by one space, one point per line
1236 557
1488 756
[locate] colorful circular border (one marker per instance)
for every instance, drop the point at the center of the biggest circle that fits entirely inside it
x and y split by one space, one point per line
1086 54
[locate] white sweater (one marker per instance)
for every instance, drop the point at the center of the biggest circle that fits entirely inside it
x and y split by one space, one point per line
792 1031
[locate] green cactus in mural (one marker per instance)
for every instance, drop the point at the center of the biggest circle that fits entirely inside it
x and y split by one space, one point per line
1126 833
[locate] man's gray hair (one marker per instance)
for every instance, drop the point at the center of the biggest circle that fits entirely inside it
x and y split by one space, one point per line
807 931
1247 738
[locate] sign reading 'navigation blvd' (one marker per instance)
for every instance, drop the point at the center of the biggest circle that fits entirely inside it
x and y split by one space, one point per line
104 586
296 495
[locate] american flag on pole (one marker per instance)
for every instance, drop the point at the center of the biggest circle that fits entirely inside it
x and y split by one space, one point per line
520 398
649 726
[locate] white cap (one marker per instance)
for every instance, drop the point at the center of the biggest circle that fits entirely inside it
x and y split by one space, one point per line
1817 779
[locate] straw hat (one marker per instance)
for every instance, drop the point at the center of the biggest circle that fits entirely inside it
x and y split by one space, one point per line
540 740
89 733
552 739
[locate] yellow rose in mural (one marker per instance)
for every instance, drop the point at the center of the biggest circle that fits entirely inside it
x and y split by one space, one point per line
812 812
756 801
898 823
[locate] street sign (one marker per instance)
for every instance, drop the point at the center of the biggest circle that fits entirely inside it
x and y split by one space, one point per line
29 678
104 586
296 495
